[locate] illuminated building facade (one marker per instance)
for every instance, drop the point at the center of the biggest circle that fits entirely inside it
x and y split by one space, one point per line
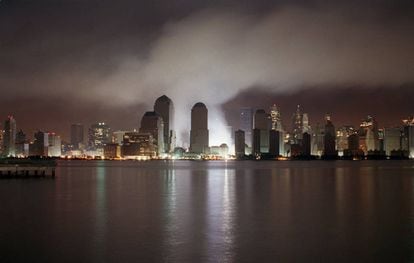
199 137
99 135
409 136
153 124
54 148
342 135
165 108
368 135
138 144
9 137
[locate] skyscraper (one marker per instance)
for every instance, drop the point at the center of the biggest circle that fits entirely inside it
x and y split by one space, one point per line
165 108
277 126
9 138
40 145
54 145
199 140
297 125
99 135
260 132
368 135
76 135
409 136
329 138
274 142
246 124
240 144
153 124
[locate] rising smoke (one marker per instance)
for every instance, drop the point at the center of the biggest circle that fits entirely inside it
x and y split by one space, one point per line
211 56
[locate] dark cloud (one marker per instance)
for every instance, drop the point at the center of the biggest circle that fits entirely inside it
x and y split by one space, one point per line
120 55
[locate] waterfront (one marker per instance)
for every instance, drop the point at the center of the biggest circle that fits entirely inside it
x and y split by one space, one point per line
211 211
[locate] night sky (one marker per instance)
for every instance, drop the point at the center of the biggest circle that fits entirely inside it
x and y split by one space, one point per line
67 61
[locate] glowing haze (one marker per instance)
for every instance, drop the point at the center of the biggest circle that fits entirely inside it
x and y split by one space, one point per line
213 54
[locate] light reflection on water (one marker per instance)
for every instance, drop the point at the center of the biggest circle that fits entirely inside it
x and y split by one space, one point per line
185 211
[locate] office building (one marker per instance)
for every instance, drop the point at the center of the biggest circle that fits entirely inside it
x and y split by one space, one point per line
239 144
54 148
165 108
99 135
9 137
246 124
40 145
153 124
77 136
329 139
392 140
199 138
368 135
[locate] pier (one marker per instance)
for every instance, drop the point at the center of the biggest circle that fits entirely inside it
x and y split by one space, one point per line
27 168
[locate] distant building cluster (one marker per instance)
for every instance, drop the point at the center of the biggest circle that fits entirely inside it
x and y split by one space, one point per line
260 135
270 140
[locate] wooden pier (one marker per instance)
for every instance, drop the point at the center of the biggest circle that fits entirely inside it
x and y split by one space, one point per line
27 169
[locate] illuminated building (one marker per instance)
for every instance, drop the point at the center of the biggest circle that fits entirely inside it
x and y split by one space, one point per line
297 125
392 140
165 108
9 137
240 144
329 139
260 133
152 123
40 145
342 135
136 144
77 136
199 139
409 136
54 148
368 135
112 151
22 146
118 137
246 124
99 135
277 125
305 124
317 142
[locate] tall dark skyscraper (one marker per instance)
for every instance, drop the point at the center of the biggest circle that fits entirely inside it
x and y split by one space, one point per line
9 138
329 138
260 132
152 123
246 124
199 140
239 143
274 142
165 108
76 135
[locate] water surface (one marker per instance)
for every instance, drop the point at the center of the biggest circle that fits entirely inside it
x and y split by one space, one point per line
195 211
